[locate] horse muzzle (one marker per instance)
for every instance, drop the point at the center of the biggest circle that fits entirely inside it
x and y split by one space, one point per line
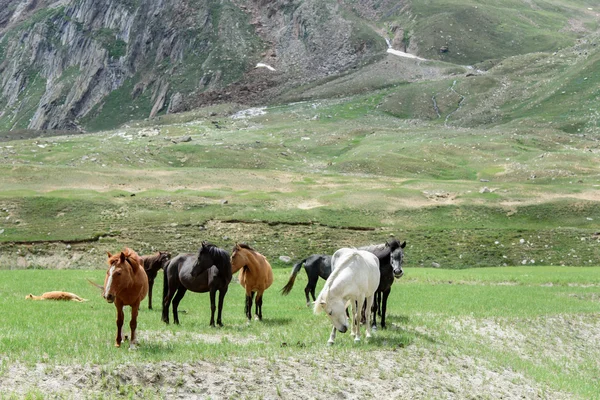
398 276
344 329
110 298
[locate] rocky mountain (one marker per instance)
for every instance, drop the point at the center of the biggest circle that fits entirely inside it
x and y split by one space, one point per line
88 65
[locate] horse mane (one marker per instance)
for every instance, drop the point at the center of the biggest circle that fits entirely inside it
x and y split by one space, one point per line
375 247
334 274
153 261
220 257
130 255
393 244
243 246
151 258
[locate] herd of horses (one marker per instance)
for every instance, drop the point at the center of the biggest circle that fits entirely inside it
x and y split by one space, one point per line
359 278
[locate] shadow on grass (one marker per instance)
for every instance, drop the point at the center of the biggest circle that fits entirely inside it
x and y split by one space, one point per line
397 333
275 321
155 348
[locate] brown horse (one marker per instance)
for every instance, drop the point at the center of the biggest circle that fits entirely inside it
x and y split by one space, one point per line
152 264
255 275
126 284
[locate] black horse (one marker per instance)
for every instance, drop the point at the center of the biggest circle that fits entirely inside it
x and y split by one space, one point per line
391 256
209 271
317 265
152 264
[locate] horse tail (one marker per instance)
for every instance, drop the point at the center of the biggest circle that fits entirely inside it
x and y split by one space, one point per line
288 287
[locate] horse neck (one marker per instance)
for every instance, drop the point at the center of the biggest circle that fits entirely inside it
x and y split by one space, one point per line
251 260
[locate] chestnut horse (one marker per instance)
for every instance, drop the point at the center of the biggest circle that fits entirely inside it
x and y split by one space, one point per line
152 264
255 275
126 284
207 271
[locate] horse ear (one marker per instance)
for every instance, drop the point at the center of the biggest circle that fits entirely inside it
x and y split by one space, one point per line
403 245
109 255
122 257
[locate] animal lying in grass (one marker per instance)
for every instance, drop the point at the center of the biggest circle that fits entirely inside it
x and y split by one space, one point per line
56 295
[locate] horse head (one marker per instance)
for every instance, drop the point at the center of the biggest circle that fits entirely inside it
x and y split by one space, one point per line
205 259
335 308
396 256
120 273
164 257
238 258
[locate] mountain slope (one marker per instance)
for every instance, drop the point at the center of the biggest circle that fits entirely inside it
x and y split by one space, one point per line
89 65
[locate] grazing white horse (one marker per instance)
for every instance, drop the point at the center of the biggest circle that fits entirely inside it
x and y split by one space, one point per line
354 278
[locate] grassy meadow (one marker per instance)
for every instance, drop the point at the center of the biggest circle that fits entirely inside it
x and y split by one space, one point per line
497 189
538 321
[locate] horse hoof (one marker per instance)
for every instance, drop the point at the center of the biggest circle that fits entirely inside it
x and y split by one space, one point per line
329 343
117 344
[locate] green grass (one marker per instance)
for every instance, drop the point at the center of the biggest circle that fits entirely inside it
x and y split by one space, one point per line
427 309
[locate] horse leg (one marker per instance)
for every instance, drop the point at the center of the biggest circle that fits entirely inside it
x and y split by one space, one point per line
133 325
307 290
222 293
384 306
378 300
358 310
213 307
150 285
369 301
178 296
120 318
259 301
248 309
332 337
170 286
373 311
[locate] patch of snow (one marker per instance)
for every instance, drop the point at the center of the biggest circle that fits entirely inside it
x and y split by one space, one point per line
267 66
405 55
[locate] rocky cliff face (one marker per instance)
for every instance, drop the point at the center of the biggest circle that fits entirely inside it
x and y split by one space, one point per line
87 64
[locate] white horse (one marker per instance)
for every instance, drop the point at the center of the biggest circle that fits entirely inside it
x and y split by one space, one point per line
354 278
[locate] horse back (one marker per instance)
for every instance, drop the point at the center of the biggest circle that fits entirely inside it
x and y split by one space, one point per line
179 272
355 272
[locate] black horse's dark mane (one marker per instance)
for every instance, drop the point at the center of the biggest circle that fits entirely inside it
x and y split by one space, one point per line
380 250
220 257
383 250
393 244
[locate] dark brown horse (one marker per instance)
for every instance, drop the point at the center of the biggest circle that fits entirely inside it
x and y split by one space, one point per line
255 275
207 271
126 284
152 264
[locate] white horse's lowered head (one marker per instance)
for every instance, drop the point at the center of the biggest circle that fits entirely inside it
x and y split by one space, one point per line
354 279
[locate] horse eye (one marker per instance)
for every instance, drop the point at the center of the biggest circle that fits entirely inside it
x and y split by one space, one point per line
330 313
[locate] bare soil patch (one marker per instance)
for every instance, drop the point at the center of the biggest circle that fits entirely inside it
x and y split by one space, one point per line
410 373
